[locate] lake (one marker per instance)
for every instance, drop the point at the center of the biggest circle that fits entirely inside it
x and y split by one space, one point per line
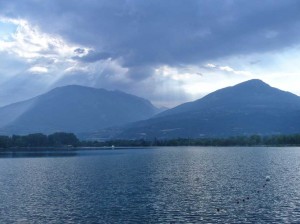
152 185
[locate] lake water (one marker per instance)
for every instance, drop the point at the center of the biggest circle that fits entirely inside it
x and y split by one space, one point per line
152 185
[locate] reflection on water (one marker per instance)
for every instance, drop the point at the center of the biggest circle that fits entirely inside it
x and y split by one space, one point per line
37 154
226 185
53 153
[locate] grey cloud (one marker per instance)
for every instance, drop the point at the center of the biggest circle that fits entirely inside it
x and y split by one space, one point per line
143 35
79 51
92 56
158 32
139 72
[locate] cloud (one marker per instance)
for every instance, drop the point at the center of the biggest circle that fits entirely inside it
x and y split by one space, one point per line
38 69
124 43
167 32
227 69
211 66
80 51
36 47
91 56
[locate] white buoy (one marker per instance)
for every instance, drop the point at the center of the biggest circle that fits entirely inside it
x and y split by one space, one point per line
268 178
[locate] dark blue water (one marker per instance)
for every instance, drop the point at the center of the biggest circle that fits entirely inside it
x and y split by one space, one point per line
159 185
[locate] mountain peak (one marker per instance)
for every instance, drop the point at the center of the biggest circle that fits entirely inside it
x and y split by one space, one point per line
252 83
253 93
74 87
251 107
74 108
250 93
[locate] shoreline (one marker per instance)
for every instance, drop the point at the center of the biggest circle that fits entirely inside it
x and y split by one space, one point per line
74 149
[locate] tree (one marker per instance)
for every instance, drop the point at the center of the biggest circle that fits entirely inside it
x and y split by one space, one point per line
5 142
63 139
36 140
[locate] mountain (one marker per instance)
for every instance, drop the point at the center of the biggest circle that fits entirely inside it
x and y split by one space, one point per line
74 109
251 107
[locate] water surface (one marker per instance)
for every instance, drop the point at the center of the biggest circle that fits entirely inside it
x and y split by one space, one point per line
152 185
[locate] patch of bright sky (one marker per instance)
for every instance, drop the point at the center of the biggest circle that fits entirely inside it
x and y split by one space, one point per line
198 81
6 29
279 69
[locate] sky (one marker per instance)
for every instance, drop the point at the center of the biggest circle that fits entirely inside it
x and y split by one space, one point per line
169 52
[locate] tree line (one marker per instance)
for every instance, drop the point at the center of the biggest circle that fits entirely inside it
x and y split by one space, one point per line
39 140
62 139
253 140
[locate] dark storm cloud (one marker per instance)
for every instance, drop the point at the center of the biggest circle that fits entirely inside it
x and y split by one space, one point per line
145 34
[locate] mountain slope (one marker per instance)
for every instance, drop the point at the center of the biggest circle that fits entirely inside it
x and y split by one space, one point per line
251 107
74 109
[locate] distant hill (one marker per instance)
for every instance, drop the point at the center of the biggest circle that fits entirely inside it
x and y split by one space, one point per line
74 109
251 107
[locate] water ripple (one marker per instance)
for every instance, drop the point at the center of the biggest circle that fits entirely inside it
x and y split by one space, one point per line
159 185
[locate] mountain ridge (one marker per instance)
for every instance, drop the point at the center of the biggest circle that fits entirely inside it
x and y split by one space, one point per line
251 107
253 84
75 109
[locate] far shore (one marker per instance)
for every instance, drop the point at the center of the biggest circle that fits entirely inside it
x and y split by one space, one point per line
80 148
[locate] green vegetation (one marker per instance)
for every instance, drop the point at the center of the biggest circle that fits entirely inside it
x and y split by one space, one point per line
253 140
61 139
39 140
